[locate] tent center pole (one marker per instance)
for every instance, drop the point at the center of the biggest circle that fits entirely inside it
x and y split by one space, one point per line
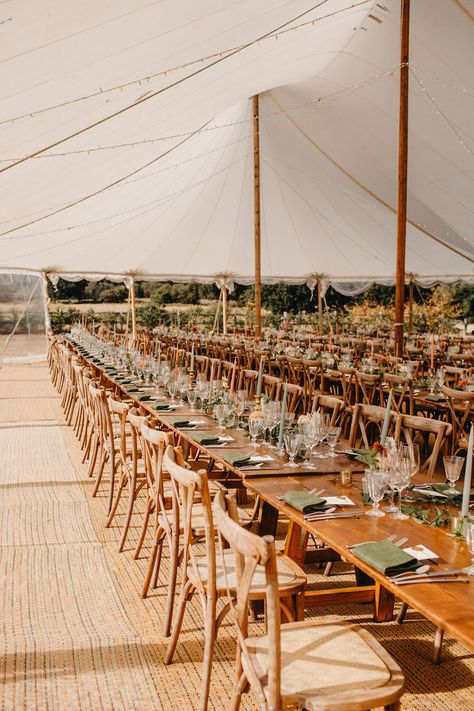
257 222
402 177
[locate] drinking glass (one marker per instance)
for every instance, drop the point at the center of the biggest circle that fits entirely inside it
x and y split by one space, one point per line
292 445
310 439
411 453
402 479
220 412
452 468
192 395
332 436
255 428
322 426
377 485
469 532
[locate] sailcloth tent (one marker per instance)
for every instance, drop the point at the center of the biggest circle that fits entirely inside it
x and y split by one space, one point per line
127 139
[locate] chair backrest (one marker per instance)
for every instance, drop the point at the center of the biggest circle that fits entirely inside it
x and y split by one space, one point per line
269 385
248 382
186 485
154 443
412 429
250 551
368 421
368 386
348 385
328 404
460 412
136 420
401 388
118 412
294 395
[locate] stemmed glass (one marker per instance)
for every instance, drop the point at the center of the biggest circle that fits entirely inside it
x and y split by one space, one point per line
469 533
220 413
240 401
292 445
310 439
452 467
377 485
332 437
322 426
255 428
402 479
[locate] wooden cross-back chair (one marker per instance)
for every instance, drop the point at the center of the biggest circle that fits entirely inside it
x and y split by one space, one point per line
209 575
201 364
329 666
248 382
366 425
412 429
270 385
312 373
367 387
295 397
280 367
460 413
333 406
401 388
452 375
106 443
154 443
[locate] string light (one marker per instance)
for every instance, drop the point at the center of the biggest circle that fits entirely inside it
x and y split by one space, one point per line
163 73
318 100
439 112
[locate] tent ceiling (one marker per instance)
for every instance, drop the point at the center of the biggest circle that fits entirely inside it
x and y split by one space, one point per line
158 178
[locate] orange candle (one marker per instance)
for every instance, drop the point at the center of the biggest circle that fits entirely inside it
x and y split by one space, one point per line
232 382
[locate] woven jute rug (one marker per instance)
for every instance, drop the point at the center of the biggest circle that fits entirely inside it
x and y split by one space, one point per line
75 632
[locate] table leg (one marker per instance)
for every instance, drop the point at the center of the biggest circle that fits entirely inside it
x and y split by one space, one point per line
268 520
295 543
384 601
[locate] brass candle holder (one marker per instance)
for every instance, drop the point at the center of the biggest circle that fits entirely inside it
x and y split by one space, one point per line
192 379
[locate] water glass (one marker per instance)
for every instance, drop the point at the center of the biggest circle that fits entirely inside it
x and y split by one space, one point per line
377 485
255 428
332 437
452 468
292 445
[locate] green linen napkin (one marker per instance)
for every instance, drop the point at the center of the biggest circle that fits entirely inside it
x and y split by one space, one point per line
238 459
435 398
304 501
143 397
178 421
161 406
206 438
385 557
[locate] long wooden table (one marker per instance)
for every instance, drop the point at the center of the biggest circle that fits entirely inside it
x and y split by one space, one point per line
449 606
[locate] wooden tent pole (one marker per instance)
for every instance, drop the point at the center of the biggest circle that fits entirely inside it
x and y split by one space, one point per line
256 193
224 309
134 312
410 306
402 176
320 307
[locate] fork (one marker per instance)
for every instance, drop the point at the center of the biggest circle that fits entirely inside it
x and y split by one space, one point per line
350 546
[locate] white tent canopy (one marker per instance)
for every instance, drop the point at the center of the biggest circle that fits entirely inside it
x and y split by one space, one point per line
126 132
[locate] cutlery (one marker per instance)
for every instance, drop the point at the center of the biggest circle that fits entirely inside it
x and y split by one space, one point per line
329 517
422 581
362 543
320 513
425 574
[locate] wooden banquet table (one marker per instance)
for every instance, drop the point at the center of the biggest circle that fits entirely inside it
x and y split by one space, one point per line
449 606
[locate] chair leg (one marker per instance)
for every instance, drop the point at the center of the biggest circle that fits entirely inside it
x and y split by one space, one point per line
131 503
239 685
157 543
139 545
121 486
174 546
392 707
210 638
102 463
328 568
402 613
186 593
438 645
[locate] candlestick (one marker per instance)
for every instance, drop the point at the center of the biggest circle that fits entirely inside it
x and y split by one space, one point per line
232 382
260 375
282 418
467 475
386 419
432 351
192 357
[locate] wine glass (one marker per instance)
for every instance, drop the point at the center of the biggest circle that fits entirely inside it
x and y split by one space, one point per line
192 395
255 428
332 437
452 468
240 401
469 533
411 453
292 445
220 413
377 485
309 437
402 479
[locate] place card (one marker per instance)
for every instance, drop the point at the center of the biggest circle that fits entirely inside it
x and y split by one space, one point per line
339 501
226 438
261 458
196 422
421 552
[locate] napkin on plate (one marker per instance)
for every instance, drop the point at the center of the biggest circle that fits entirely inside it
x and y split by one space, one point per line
178 422
435 398
239 459
206 438
304 501
386 557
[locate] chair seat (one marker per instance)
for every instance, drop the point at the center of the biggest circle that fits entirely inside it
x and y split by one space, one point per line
290 575
329 667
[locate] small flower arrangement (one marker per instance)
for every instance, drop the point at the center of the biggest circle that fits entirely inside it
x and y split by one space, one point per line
373 456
